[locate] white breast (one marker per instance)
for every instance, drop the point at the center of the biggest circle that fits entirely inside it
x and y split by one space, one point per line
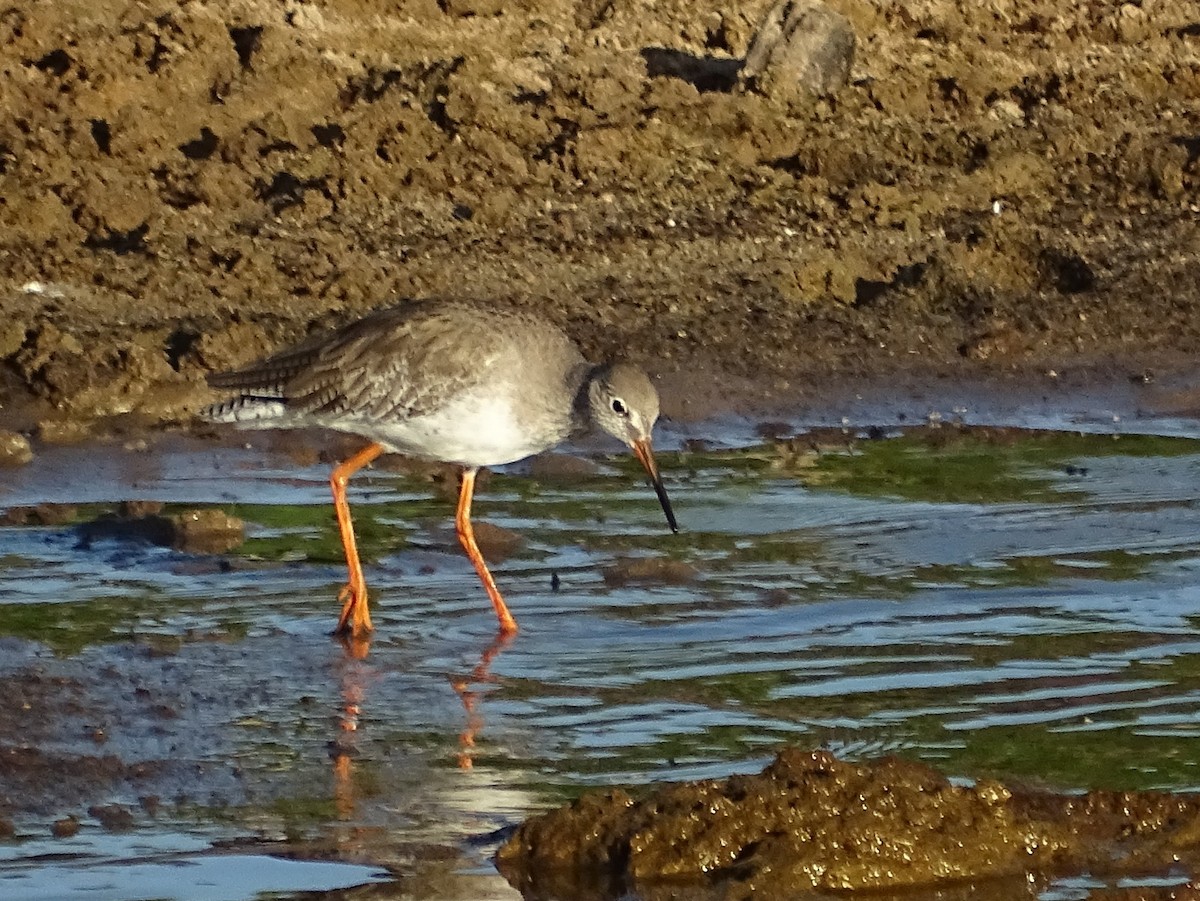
470 430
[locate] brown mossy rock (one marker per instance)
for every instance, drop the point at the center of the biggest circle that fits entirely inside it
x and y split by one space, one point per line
496 543
201 531
40 515
649 571
206 531
811 821
14 449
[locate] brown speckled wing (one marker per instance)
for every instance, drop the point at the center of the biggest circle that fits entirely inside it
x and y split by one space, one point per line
393 364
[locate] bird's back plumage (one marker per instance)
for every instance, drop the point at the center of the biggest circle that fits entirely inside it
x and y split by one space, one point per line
396 375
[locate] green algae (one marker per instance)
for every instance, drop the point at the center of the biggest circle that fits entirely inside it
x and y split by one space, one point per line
68 628
973 466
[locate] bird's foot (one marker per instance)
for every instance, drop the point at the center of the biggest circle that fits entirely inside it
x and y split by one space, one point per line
356 646
355 619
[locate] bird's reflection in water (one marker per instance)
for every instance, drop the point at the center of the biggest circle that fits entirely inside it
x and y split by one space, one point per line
355 675
469 693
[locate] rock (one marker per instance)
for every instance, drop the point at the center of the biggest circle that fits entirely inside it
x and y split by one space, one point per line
800 44
193 531
565 467
649 571
496 543
207 531
14 449
112 817
812 822
65 828
41 515
134 509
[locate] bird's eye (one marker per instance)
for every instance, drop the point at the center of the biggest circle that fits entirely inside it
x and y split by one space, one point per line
618 407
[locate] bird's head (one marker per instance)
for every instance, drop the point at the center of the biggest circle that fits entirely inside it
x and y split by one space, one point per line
623 402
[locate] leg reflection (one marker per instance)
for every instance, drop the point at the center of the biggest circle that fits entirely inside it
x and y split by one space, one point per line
353 675
470 696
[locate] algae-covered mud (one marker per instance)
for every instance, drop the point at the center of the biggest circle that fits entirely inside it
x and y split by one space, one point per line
1015 608
809 821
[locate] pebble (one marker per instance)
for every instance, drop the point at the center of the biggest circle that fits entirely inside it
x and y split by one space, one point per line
14 449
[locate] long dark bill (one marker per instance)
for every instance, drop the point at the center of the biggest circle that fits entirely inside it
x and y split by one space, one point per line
643 452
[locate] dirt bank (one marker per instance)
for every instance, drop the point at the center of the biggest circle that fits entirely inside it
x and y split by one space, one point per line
186 184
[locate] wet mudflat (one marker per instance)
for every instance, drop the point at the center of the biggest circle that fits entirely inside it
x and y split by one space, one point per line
996 602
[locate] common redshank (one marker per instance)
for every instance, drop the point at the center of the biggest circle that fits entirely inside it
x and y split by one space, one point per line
447 382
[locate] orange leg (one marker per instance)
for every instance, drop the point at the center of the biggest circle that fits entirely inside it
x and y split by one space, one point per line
355 618
466 537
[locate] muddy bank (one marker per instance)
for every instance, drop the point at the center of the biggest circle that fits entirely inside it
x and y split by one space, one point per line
186 186
811 820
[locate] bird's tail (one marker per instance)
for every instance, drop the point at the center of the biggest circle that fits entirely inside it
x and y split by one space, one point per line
246 410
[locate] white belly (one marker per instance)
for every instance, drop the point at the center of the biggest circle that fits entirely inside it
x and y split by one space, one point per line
469 430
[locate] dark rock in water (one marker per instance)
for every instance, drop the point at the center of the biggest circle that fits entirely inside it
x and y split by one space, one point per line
136 509
65 828
551 466
812 822
206 531
195 531
800 44
112 817
649 571
496 543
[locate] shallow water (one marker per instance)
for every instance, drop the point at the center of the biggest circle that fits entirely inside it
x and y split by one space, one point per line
1016 605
